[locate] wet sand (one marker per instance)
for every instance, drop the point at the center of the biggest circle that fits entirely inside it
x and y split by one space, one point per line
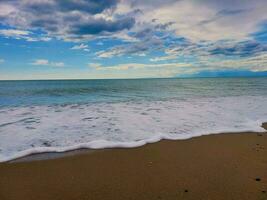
214 167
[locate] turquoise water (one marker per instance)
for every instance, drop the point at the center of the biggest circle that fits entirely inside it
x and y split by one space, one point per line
57 116
18 93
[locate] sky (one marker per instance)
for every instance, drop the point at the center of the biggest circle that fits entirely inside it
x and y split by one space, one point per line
98 39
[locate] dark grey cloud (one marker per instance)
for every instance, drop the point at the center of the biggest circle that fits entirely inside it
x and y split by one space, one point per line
48 7
241 49
152 3
222 48
38 7
67 18
87 19
48 24
223 13
90 6
231 12
136 48
97 26
164 26
150 38
143 33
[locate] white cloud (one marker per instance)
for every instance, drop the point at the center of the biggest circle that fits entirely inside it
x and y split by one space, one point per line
94 65
141 54
81 47
108 53
205 20
23 34
14 33
255 63
193 19
6 9
163 58
2 60
35 39
40 62
57 64
44 62
141 70
129 66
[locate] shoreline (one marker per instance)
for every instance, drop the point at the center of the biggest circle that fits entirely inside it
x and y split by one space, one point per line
61 154
220 166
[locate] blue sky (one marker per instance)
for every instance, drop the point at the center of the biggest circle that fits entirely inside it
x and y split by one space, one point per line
80 39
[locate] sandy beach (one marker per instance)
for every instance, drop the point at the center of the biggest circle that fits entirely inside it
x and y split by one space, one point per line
223 166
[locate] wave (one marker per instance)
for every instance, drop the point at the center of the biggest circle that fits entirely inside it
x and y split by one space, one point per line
37 129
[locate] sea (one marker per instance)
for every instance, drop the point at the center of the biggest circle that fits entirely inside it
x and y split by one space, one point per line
63 115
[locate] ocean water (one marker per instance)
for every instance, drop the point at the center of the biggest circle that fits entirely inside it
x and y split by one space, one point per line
61 115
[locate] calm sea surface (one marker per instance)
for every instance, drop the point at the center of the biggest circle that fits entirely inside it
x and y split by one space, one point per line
20 93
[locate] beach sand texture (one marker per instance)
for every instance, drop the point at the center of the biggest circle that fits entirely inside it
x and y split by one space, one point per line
214 167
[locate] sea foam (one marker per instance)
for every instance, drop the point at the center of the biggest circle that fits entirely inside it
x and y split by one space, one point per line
59 128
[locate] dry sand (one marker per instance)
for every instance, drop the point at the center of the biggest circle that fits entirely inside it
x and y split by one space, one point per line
214 167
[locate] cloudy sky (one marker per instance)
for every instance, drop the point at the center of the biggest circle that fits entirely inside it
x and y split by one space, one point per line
65 39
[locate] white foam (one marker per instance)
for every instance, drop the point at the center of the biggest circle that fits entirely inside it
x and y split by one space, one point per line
28 130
